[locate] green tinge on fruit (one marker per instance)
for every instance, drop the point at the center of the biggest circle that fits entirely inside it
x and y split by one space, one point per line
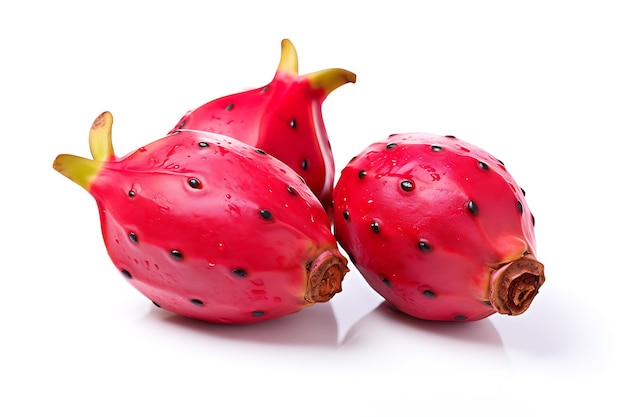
331 78
288 58
100 141
327 79
81 170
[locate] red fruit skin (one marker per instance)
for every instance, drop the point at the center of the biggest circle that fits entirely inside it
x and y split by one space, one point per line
284 118
210 228
431 222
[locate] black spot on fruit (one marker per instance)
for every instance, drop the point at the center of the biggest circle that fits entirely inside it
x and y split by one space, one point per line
520 207
424 246
386 282
391 145
460 318
451 136
407 185
472 207
292 123
176 254
375 226
258 313
292 190
362 173
132 193
230 107
126 274
181 124
532 218
346 215
241 273
266 214
429 294
203 144
194 183
155 303
261 151
264 89
196 302
133 237
483 165
305 164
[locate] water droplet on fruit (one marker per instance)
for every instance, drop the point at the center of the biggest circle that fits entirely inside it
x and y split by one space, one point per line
203 144
132 193
197 302
261 151
133 237
362 173
375 226
266 214
391 145
176 254
436 148
483 165
346 215
221 247
292 123
292 190
181 124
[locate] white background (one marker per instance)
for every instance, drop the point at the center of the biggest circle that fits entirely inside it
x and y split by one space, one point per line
539 84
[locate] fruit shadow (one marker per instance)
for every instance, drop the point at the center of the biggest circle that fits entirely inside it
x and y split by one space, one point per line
313 326
393 330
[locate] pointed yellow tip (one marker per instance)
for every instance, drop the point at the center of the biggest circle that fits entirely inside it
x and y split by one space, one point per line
330 79
100 141
78 169
288 58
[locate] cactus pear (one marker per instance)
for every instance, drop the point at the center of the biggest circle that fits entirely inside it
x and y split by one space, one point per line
209 227
284 118
439 228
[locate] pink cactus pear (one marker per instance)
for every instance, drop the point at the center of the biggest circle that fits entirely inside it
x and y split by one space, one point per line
439 228
209 227
284 118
